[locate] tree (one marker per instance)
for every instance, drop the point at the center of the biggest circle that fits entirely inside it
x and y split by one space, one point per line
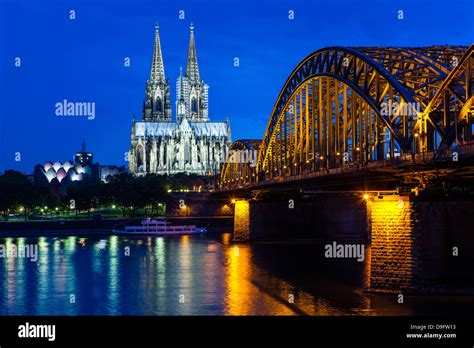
85 194
16 190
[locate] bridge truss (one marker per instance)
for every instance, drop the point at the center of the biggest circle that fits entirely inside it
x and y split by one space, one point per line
343 106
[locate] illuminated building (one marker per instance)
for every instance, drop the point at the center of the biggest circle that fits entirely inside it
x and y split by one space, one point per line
192 144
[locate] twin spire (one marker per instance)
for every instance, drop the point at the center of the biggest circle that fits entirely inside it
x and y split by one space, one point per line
157 67
192 69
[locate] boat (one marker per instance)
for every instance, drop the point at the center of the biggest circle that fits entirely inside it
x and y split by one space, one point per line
159 227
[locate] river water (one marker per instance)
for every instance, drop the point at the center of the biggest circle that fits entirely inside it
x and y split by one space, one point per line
193 275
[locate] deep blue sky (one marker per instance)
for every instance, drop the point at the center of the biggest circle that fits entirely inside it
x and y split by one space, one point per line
82 60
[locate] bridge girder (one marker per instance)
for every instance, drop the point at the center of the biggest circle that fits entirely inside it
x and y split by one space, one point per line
239 165
338 107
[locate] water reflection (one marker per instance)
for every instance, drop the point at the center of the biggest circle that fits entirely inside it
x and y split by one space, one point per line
146 276
238 300
114 281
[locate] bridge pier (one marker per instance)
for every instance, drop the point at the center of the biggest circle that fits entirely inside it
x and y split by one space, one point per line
416 245
420 245
242 220
395 251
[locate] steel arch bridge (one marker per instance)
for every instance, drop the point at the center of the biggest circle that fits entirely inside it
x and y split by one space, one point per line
240 162
350 105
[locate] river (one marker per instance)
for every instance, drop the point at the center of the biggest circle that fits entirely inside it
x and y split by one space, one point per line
193 275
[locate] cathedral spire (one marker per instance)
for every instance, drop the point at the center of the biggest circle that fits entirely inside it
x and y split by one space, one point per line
157 106
192 69
157 68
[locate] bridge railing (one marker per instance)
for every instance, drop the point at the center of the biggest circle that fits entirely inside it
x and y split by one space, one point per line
428 157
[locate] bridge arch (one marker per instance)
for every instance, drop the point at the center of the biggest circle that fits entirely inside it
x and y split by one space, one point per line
239 164
344 106
347 105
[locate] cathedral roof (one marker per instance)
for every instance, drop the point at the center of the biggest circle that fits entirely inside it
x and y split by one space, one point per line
210 128
216 129
154 128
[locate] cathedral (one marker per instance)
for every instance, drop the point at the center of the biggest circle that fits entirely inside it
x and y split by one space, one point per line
191 144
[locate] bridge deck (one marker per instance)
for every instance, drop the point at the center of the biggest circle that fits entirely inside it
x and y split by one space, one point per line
441 162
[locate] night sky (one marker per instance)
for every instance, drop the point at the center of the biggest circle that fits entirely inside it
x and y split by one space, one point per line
82 60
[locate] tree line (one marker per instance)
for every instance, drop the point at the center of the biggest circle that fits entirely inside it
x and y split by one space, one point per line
21 196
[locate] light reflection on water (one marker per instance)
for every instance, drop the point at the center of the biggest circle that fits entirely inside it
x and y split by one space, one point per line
187 275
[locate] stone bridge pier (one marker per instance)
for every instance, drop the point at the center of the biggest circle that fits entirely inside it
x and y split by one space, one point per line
415 245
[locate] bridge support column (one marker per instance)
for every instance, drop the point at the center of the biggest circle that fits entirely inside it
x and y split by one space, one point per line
395 251
420 246
242 220
415 244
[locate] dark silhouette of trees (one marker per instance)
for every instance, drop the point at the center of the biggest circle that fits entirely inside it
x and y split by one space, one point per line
129 193
15 191
124 191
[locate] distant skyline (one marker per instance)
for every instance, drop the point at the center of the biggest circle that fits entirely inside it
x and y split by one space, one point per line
82 60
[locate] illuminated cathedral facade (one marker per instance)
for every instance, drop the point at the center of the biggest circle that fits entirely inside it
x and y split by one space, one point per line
190 144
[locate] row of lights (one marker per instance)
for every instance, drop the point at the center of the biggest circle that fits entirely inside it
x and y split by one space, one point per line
45 208
366 196
295 164
186 190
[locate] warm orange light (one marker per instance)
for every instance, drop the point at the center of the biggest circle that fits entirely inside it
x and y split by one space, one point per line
366 196
233 200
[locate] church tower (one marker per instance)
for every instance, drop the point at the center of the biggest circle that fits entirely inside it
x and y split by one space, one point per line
157 104
192 144
190 89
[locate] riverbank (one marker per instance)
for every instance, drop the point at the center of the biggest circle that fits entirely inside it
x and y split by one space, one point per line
90 226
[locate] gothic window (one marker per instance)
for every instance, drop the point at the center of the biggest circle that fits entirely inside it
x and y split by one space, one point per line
158 105
140 159
165 154
193 105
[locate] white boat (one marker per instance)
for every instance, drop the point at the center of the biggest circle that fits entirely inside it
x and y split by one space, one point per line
159 227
